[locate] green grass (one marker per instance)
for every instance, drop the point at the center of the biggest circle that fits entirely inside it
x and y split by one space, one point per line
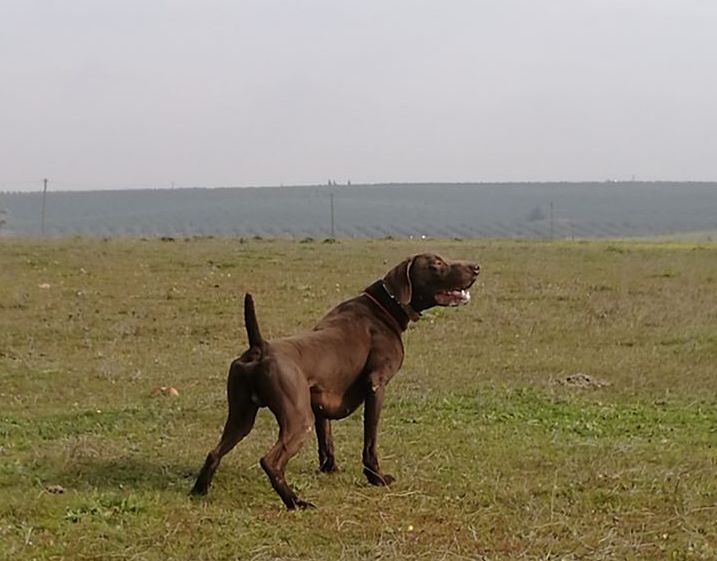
495 458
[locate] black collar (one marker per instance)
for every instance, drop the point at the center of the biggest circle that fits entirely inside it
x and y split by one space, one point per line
388 304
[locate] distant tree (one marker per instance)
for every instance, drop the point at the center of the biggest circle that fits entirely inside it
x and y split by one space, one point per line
536 215
3 217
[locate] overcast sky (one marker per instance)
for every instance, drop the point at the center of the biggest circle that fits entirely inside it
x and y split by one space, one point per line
144 93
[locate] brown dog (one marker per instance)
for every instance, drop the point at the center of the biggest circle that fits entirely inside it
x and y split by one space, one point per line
347 359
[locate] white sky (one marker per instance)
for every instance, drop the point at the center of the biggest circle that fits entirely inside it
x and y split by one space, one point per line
143 93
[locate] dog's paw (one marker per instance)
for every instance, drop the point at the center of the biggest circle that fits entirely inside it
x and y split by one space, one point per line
388 479
329 466
199 489
378 479
300 504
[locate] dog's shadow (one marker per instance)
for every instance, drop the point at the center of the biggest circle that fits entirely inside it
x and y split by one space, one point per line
124 473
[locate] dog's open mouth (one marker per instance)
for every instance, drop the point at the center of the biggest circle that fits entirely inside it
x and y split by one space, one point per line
456 297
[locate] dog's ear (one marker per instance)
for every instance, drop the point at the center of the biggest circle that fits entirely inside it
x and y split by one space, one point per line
398 281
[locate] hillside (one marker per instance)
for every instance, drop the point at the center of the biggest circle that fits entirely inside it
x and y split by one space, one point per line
526 210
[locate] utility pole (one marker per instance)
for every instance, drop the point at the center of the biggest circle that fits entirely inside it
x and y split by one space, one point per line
44 196
552 222
331 198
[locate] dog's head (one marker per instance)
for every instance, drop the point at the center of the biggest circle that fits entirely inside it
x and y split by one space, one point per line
427 280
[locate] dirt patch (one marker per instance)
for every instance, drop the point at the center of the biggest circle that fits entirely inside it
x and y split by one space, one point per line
169 391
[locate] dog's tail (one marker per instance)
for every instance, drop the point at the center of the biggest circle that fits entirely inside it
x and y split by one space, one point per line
256 341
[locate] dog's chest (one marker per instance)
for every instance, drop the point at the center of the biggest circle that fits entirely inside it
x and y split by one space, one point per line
333 405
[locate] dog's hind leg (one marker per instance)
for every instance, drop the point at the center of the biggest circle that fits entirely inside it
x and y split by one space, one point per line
291 439
240 420
291 404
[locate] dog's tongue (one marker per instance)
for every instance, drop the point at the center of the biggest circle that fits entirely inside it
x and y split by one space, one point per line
453 297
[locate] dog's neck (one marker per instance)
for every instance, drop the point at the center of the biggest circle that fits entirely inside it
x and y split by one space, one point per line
380 295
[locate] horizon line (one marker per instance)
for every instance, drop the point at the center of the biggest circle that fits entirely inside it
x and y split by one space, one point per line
104 189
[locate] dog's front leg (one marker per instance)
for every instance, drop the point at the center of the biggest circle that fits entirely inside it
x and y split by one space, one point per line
372 412
327 460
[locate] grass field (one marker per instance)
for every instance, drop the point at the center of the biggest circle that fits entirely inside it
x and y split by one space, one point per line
495 457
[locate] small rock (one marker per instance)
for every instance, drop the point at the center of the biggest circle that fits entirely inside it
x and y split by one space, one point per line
55 489
582 380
